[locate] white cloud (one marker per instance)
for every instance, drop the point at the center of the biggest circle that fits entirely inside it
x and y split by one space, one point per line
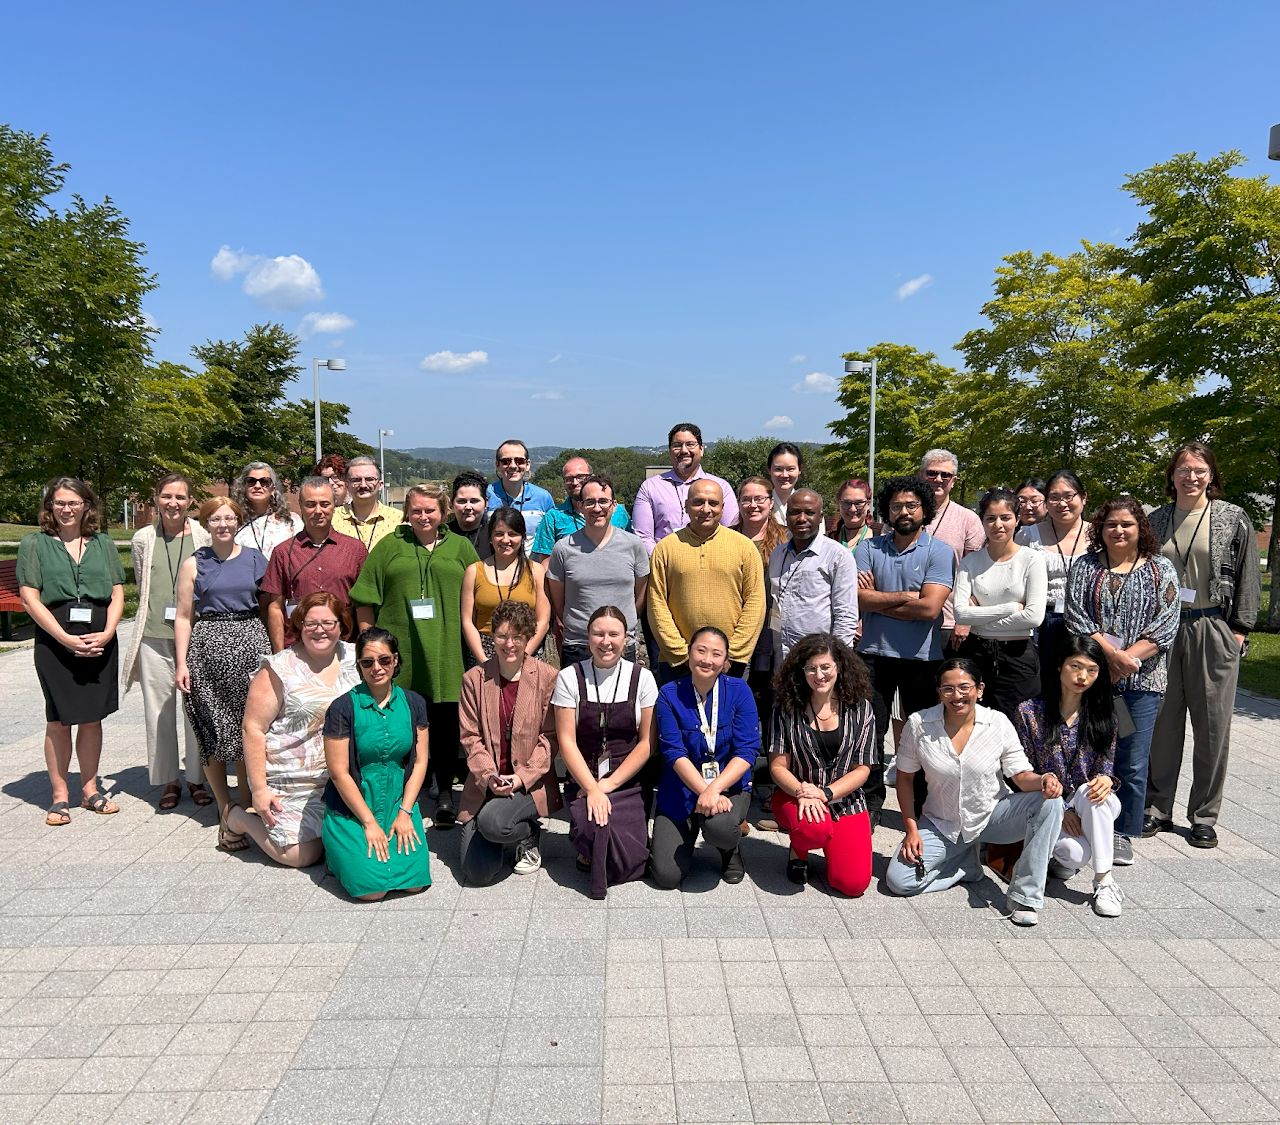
454 363
148 321
556 358
324 324
817 383
287 282
798 358
549 395
778 422
912 287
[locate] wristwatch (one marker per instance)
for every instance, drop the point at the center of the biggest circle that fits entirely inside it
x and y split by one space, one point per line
826 792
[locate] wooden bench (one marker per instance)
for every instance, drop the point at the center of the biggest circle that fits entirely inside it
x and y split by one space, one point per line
10 599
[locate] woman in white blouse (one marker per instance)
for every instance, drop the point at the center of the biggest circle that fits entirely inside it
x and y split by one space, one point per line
268 520
1061 540
966 752
1000 594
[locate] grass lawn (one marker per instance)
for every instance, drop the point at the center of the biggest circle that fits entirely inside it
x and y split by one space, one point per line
12 532
1260 670
21 620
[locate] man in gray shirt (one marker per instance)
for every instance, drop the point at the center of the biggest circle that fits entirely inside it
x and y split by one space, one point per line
599 565
813 580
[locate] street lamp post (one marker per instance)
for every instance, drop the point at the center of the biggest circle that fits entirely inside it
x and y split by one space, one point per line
332 365
858 367
382 466
1273 149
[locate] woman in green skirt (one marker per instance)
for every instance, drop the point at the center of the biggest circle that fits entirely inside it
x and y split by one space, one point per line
375 745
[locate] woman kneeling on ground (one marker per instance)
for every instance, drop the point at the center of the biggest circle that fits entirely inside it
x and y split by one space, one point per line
1070 732
969 805
284 721
820 754
375 742
508 736
604 715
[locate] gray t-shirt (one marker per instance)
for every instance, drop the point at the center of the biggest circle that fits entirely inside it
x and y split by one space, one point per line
595 576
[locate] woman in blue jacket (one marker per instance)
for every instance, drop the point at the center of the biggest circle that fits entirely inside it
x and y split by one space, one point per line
710 735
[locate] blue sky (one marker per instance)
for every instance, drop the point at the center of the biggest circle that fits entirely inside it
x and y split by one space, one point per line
638 212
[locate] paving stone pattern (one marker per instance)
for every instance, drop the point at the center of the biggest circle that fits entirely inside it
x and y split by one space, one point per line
147 977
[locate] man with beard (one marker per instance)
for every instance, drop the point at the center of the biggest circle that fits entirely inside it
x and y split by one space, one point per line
904 577
564 519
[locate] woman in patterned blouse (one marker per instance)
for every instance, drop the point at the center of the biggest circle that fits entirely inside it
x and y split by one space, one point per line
1124 594
1070 732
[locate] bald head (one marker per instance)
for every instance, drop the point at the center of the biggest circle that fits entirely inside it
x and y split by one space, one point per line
704 507
804 516
575 471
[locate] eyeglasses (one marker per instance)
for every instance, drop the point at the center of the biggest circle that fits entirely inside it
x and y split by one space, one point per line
513 460
68 505
914 506
949 691
257 482
755 501
598 502
938 474
1185 472
855 505
509 638
1062 497
225 521
362 480
367 662
323 626
679 446
577 478
819 669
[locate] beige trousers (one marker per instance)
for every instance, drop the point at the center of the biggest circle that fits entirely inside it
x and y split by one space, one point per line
157 664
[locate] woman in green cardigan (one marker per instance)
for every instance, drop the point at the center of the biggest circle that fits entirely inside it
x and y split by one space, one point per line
411 585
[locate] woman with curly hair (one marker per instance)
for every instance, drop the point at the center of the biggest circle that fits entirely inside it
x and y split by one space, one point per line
268 522
822 748
1124 594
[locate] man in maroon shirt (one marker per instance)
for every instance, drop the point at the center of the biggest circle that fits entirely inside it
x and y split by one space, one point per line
317 558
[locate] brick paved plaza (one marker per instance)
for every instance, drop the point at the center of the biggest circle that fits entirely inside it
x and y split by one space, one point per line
147 977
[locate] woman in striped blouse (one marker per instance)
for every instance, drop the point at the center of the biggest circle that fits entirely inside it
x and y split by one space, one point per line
821 751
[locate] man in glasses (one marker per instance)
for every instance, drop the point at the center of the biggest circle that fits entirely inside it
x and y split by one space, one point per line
661 502
957 526
564 519
904 576
365 516
511 490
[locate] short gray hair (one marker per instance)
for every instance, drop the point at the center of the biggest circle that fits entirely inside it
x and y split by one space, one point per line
362 460
317 482
940 455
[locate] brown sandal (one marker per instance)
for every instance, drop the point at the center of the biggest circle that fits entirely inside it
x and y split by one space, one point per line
230 841
58 814
97 802
200 795
169 798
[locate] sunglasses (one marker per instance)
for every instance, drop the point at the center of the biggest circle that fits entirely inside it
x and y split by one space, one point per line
367 662
938 474
513 460
257 482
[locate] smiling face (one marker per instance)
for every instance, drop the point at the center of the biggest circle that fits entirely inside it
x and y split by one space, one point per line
999 522
685 451
1065 504
1078 674
259 490
321 631
509 643
855 507
505 539
607 638
804 515
1120 531
597 505
575 471
68 509
469 507
317 510
704 507
222 523
708 656
959 693
821 672
755 503
1191 477
1033 507
942 476
338 482
377 663
512 462
424 515
784 471
173 502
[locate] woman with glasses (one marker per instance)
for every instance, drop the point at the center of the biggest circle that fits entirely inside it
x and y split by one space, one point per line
284 750
1124 594
508 574
219 642
852 524
821 753
1033 503
268 520
1062 538
72 587
376 749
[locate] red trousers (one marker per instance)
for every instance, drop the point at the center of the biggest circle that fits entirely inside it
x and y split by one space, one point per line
845 842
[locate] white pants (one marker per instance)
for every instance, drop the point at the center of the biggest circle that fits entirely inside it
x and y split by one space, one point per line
157 665
1096 846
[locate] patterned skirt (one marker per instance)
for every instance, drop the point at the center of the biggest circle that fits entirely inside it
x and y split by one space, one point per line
224 653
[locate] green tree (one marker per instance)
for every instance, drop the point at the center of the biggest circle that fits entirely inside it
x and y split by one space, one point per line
1209 255
625 466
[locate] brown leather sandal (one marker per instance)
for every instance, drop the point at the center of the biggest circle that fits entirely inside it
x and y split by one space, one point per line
169 798
230 841
200 794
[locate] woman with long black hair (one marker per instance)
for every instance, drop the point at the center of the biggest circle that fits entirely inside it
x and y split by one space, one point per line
1070 732
1063 537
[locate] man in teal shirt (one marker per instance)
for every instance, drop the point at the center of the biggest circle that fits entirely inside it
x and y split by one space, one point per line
564 519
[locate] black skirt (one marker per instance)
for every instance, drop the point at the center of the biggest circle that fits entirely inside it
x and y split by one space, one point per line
77 689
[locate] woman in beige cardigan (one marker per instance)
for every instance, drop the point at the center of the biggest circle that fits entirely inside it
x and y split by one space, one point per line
159 550
508 735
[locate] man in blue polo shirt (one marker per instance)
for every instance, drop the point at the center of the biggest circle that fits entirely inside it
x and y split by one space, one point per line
564 519
511 490
904 577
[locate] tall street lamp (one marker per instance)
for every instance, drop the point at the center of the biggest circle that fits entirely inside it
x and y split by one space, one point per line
332 365
858 367
382 465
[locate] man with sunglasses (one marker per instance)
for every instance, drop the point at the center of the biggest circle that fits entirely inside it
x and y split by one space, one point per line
511 490
957 526
364 516
564 519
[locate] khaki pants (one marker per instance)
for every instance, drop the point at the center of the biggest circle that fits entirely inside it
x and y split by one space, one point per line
1204 665
157 664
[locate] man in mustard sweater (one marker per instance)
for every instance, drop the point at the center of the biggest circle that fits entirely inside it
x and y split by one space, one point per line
705 574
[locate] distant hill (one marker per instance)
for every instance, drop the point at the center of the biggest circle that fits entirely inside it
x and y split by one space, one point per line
479 459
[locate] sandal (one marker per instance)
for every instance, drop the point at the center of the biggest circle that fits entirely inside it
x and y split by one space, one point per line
58 814
97 802
200 795
169 798
230 841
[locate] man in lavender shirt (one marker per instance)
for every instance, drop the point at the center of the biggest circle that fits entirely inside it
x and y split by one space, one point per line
660 501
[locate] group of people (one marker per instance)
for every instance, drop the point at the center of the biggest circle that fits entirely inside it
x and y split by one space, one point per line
352 661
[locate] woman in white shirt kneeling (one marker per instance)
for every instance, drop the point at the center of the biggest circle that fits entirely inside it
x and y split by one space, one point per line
966 752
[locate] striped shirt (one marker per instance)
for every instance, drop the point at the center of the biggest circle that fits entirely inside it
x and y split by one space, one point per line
964 787
810 761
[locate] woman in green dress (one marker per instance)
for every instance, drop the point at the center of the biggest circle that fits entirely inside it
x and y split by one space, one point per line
411 585
375 747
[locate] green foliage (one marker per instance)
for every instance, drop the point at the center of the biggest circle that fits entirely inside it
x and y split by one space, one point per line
625 466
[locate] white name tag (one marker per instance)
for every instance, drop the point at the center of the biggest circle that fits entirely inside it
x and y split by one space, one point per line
289 608
710 771
423 609
80 615
1114 641
1060 606
775 619
1187 594
171 612
602 769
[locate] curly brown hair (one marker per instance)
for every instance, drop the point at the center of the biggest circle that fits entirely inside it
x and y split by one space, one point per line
519 615
90 514
791 689
1148 544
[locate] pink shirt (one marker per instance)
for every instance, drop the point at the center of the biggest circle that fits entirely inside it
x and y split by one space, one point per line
961 530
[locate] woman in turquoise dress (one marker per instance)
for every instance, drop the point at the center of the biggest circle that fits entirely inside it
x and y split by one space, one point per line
375 745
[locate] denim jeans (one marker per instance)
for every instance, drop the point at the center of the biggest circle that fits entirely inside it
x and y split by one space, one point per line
1132 755
1019 816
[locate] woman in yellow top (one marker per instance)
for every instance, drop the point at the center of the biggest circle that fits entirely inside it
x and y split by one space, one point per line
508 575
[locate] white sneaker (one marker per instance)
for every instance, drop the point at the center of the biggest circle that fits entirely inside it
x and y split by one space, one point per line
1020 915
1107 899
528 858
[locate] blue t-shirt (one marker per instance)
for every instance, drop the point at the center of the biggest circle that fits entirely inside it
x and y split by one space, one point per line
532 503
562 520
927 561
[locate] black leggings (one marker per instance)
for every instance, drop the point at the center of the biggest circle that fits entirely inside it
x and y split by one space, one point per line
671 854
500 821
444 743
1010 671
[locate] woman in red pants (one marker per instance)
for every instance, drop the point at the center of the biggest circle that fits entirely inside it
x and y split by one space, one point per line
820 755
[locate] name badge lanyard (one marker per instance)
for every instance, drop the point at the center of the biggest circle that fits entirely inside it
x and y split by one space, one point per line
1188 593
709 730
424 608
80 614
293 578
372 530
260 541
606 713
1060 605
507 721
171 609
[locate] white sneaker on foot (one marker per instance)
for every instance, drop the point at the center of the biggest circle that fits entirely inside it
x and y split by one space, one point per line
1020 915
1107 899
528 858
